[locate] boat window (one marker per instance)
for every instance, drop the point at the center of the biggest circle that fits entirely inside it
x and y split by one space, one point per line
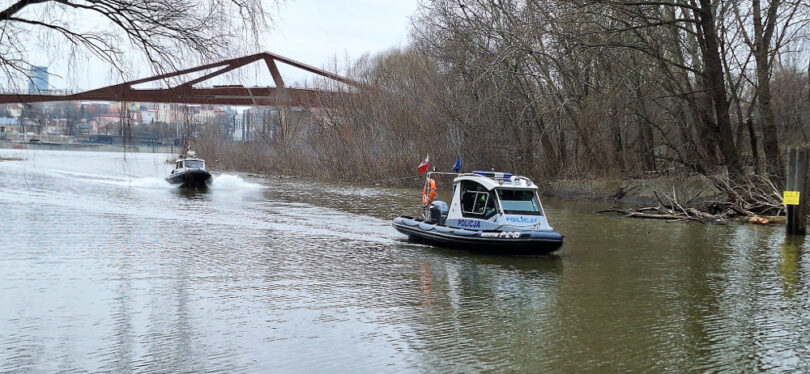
476 201
519 202
194 164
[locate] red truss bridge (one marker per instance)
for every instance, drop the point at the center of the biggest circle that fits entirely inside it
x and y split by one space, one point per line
186 93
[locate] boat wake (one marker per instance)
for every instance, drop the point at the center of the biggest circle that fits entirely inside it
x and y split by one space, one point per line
229 182
98 184
224 182
143 182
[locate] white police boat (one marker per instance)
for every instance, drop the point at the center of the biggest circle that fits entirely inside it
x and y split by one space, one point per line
493 212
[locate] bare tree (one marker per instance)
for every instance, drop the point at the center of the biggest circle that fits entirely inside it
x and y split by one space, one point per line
163 33
766 31
566 89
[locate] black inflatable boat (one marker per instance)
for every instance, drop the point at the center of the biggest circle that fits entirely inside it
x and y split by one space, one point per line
523 241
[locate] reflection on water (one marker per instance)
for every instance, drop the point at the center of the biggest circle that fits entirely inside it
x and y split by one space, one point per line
789 264
105 267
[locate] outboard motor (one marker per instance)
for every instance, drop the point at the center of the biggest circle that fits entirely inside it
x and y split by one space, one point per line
437 213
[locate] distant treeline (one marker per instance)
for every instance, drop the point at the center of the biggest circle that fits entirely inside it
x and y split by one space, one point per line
565 89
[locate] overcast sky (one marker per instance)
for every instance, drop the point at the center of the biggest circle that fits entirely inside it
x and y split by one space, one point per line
316 31
311 31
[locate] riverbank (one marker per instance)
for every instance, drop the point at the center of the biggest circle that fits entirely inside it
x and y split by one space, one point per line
631 191
627 191
140 148
639 192
251 158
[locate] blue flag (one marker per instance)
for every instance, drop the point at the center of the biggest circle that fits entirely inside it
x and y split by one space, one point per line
457 166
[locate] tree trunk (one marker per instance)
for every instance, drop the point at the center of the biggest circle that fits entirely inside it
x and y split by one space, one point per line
701 105
561 147
618 148
647 145
762 40
717 90
752 136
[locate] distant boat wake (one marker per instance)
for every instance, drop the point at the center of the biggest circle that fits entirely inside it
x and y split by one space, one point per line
222 182
98 183
143 173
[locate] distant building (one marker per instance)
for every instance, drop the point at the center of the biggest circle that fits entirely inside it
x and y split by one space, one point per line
164 113
8 126
147 114
37 79
14 110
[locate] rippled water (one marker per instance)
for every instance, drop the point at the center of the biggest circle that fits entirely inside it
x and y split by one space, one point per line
105 267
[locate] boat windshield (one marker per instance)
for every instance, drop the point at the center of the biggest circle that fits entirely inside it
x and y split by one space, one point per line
194 164
519 202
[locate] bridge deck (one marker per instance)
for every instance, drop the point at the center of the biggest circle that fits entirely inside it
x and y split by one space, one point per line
223 95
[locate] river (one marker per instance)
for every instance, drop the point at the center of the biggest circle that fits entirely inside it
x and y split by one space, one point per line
105 267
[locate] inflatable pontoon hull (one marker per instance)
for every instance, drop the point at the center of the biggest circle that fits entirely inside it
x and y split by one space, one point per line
524 241
192 179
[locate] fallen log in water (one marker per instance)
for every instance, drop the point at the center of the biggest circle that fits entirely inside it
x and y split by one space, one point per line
675 217
752 198
665 214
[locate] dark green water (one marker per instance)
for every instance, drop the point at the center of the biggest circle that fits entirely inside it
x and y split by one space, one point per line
104 267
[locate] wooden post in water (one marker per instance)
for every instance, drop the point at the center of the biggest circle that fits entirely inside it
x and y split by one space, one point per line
795 194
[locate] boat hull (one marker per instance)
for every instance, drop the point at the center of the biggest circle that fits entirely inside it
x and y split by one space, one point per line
191 179
524 242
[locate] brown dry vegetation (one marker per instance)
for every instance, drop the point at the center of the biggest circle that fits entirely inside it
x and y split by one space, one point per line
567 90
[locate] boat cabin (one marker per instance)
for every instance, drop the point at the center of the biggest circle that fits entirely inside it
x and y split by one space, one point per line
491 201
187 163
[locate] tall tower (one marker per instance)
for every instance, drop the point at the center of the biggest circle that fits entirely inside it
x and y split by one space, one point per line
37 80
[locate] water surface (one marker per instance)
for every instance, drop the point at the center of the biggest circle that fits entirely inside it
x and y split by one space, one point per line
105 267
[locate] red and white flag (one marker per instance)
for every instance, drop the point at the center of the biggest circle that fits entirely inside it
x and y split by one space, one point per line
423 167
